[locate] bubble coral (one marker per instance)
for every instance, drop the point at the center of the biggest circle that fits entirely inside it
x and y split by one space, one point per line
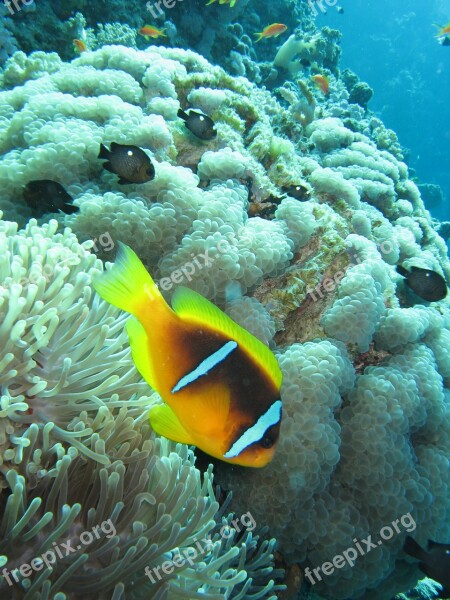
360 446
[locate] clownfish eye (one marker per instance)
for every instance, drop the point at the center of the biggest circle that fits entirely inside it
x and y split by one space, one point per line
266 442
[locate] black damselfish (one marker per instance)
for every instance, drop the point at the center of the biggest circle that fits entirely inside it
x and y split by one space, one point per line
427 284
199 124
434 562
46 195
297 191
130 163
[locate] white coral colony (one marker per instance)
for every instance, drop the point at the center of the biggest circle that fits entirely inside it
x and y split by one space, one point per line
365 431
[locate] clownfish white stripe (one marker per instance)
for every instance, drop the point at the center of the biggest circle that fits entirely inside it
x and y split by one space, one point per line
206 365
256 432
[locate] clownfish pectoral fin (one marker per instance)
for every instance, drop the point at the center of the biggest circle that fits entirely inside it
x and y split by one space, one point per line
165 422
217 408
138 342
193 307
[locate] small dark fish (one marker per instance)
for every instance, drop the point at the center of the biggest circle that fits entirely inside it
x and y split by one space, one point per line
427 284
299 192
199 124
46 195
340 10
434 562
130 163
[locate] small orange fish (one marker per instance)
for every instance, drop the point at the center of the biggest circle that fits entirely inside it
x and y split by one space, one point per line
148 31
322 83
443 30
79 45
273 30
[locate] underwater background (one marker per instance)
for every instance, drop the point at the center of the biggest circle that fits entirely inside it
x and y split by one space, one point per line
409 73
283 166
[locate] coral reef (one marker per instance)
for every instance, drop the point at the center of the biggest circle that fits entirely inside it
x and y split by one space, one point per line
211 31
365 434
319 49
359 91
8 44
78 456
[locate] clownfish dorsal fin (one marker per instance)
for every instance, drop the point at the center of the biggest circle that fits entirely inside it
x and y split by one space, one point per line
191 306
165 422
139 341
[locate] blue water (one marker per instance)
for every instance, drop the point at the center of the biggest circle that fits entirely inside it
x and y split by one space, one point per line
391 45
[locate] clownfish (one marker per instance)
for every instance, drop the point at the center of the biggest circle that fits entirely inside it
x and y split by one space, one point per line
219 383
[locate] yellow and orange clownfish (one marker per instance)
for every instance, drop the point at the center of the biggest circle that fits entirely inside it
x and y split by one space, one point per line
220 384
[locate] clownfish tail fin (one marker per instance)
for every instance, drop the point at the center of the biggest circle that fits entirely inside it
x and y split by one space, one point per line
127 284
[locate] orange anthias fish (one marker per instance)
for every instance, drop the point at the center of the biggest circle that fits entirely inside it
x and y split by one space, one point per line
230 2
273 30
79 45
220 384
443 30
322 83
148 31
